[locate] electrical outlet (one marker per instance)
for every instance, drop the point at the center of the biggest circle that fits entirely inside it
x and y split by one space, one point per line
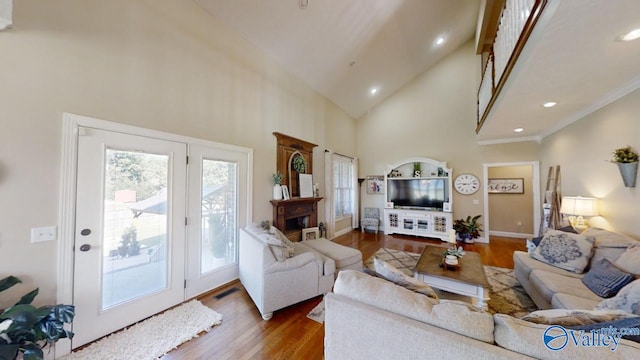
45 233
519 223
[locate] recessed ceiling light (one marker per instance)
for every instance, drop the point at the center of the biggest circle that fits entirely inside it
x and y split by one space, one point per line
630 36
373 90
550 104
518 130
439 41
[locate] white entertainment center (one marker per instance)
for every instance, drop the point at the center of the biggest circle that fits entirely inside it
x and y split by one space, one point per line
419 198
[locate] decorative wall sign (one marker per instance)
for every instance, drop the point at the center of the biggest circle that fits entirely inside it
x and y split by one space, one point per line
506 186
375 184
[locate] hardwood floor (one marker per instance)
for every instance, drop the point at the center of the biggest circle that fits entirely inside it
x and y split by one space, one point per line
290 334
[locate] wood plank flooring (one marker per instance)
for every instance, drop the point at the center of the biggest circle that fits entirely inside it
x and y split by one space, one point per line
290 334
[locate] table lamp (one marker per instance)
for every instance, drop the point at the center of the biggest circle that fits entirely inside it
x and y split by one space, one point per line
576 208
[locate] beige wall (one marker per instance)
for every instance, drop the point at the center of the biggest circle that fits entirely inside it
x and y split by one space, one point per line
434 116
512 213
160 64
582 150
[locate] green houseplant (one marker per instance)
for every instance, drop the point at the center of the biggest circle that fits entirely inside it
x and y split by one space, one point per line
627 160
277 185
468 228
27 330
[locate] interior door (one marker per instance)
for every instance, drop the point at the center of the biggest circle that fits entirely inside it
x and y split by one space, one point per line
216 211
130 230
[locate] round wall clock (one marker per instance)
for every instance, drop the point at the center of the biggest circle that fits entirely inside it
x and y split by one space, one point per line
466 184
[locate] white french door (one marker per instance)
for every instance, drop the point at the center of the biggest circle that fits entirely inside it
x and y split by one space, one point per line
130 231
215 201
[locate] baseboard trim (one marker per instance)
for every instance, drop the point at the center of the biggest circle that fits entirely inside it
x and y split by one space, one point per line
511 234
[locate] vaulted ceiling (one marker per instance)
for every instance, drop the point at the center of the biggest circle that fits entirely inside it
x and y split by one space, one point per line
345 48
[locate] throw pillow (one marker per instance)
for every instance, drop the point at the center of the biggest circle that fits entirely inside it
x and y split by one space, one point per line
396 276
629 261
564 250
283 238
570 317
605 280
627 299
605 238
280 252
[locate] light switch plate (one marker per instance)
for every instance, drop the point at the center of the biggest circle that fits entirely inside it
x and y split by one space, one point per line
45 233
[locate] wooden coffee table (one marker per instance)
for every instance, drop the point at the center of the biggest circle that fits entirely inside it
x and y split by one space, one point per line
468 280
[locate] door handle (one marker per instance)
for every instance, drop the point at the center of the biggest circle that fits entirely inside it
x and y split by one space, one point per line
85 247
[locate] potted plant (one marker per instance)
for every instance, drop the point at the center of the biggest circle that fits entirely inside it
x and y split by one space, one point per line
468 229
27 330
627 160
277 185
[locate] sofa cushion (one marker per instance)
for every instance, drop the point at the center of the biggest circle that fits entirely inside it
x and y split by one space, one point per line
328 265
455 316
523 261
396 276
548 284
566 301
528 338
627 299
605 280
572 317
610 239
629 261
344 256
564 250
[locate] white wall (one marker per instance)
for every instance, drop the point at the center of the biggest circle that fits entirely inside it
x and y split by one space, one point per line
583 149
434 116
160 64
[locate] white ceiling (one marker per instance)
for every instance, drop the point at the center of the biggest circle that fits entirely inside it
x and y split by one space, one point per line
572 56
573 59
390 41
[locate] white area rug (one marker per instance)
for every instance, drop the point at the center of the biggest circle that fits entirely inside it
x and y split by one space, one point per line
317 313
154 337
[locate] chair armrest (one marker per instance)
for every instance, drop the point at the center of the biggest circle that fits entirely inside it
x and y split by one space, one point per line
291 263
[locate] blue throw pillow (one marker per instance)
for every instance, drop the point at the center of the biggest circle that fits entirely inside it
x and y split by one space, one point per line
605 280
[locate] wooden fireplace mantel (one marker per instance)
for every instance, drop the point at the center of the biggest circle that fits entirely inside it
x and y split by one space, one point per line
295 208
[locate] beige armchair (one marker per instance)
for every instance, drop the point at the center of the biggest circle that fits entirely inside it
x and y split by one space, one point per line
273 284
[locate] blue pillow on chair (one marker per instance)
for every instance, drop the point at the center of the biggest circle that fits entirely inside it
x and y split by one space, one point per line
605 280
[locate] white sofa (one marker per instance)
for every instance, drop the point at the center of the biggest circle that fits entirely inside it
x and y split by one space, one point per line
371 318
273 284
552 287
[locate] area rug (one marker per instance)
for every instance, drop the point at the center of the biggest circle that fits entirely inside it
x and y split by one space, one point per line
153 337
317 313
507 296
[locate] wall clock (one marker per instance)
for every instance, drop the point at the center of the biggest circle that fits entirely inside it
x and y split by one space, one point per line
466 184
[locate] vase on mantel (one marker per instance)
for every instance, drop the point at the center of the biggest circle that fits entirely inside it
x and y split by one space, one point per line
277 192
629 173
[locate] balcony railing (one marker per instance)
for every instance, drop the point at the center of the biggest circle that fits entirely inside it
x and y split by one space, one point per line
517 20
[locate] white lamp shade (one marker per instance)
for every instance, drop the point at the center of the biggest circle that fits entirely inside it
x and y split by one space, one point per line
6 14
578 206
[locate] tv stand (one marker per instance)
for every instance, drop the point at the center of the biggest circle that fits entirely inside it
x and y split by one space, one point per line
433 224
402 218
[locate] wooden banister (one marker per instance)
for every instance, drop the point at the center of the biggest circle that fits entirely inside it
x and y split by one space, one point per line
517 20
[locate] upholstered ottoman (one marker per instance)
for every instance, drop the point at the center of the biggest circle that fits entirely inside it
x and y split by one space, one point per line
344 256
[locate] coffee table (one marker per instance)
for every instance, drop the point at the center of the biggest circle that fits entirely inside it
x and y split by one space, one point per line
468 280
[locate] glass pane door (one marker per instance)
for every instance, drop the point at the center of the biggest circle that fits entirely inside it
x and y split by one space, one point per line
135 226
218 214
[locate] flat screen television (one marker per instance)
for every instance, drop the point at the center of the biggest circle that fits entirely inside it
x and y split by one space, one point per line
427 194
